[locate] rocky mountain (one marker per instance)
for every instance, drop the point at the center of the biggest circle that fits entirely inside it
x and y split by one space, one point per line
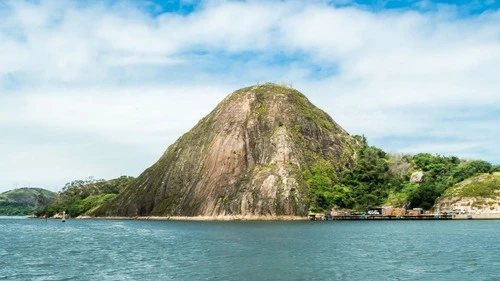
24 201
476 195
247 157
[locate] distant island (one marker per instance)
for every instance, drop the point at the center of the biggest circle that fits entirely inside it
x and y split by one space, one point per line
25 201
266 152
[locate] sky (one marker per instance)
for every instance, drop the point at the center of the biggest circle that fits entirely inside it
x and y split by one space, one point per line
102 88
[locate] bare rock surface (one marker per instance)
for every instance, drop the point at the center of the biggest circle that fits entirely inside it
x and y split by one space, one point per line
417 177
246 158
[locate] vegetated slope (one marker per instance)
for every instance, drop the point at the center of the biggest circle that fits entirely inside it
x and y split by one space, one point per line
24 201
266 150
81 196
425 177
480 194
256 153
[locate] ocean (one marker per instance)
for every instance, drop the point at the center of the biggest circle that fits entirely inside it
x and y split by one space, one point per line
32 249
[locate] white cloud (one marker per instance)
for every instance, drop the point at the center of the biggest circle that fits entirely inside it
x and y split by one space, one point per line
122 77
125 115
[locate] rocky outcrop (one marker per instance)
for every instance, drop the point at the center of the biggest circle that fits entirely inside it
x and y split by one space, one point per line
247 157
417 177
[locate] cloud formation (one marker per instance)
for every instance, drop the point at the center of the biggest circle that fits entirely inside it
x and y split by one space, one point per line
101 89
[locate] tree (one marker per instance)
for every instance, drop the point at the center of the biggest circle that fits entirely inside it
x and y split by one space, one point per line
469 169
80 196
370 179
423 197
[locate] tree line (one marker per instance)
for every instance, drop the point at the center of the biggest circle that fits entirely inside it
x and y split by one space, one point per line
80 196
380 179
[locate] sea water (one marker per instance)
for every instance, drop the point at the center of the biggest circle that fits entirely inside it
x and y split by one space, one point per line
32 249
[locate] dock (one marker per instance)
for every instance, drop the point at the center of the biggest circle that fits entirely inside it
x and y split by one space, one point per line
378 217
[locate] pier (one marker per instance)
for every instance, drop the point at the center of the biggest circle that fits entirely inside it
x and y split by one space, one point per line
378 217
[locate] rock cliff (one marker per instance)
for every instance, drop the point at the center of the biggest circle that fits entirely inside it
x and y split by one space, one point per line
247 157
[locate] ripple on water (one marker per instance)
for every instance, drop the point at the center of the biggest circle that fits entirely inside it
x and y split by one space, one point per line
156 250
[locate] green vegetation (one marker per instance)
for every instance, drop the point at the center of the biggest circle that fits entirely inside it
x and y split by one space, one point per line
82 196
15 209
365 185
442 173
378 179
331 169
24 201
485 185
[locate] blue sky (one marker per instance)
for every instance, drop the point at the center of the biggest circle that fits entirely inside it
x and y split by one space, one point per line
102 88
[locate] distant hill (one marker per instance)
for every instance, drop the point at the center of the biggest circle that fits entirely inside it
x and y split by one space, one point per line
478 195
24 201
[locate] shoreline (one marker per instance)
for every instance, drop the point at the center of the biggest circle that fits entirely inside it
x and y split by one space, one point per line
489 216
484 216
201 218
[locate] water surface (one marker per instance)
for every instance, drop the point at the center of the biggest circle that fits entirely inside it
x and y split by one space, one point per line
32 249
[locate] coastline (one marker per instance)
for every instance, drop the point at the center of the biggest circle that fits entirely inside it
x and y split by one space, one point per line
488 216
202 218
483 216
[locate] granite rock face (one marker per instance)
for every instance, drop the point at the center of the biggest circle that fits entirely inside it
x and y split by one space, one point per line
247 157
417 177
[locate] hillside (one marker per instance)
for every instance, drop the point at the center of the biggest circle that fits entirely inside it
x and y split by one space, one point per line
477 195
265 150
249 157
425 177
24 201
81 196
